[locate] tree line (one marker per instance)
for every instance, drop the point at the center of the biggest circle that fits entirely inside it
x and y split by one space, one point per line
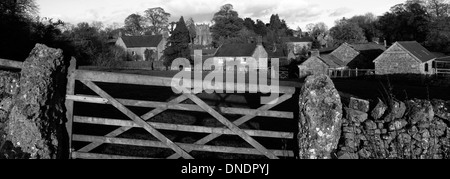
427 22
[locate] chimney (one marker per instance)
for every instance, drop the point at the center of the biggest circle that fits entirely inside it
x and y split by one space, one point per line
385 43
315 53
259 40
120 33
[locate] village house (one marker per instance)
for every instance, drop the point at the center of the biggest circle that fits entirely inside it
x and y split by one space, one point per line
358 56
143 48
239 52
320 64
408 57
297 44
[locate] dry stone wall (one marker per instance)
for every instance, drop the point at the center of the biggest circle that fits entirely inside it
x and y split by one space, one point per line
413 129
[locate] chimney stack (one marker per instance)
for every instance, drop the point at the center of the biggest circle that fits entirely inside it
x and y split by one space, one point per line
315 53
259 40
120 33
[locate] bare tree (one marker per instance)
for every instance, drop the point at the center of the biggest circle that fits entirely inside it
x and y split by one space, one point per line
158 19
438 8
134 24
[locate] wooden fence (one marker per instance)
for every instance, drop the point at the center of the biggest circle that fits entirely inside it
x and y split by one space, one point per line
349 73
181 150
442 72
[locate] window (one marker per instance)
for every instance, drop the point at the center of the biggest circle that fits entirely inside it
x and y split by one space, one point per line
426 67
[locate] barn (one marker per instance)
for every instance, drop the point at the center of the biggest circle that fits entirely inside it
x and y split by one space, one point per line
318 64
406 57
358 56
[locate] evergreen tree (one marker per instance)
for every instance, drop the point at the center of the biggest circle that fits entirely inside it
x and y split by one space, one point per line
260 28
178 44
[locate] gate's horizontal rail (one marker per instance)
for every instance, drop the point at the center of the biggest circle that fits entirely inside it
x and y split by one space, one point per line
121 78
182 107
191 147
182 128
84 155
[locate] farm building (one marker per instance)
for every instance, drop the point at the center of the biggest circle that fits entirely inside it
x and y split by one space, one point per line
358 56
239 52
143 48
318 64
408 57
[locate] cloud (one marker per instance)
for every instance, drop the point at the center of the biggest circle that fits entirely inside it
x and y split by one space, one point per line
339 12
294 12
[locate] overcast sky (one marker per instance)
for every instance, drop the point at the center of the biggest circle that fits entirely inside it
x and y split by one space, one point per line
295 12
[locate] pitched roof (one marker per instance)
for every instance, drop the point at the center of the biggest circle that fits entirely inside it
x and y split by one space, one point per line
367 46
205 51
334 60
327 50
236 50
297 39
142 41
329 62
417 50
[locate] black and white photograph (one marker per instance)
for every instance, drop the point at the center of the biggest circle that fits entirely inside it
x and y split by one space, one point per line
247 81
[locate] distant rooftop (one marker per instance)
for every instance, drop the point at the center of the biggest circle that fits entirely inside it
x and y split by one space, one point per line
142 41
236 50
367 46
332 61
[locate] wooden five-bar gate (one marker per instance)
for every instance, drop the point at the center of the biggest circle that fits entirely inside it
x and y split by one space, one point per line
180 150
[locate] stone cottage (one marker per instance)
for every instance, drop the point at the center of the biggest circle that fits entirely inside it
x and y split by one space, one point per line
408 57
143 48
359 56
318 64
239 52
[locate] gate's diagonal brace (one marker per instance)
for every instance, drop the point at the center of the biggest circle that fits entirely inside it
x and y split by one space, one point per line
122 130
139 121
231 126
238 122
